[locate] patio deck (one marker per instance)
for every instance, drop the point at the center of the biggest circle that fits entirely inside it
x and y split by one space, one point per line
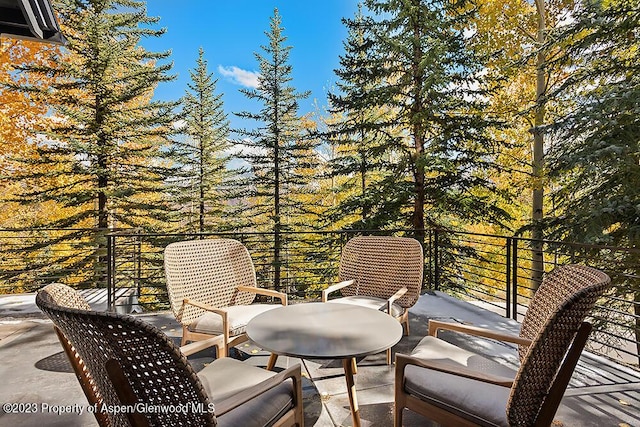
35 371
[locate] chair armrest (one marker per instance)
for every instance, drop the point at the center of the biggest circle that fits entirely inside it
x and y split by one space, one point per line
403 290
267 292
402 360
197 346
219 311
333 288
206 307
435 325
230 403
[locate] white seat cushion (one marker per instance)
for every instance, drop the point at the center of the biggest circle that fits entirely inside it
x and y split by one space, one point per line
481 402
370 302
226 377
238 317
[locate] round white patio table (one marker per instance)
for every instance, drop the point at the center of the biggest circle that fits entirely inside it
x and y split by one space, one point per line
325 331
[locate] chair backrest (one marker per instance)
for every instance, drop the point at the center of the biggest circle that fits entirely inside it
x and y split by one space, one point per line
381 265
158 374
208 271
63 296
57 294
564 299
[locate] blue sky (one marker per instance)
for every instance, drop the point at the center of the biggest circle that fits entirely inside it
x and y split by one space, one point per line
230 32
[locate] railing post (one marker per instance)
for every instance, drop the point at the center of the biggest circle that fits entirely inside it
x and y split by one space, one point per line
276 260
514 282
436 264
429 260
138 265
507 298
110 269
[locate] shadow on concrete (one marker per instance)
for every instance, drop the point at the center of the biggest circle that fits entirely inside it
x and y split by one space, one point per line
55 363
601 392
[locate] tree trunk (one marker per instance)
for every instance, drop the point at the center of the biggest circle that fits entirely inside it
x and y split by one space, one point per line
418 208
201 204
277 225
363 182
103 223
537 267
418 138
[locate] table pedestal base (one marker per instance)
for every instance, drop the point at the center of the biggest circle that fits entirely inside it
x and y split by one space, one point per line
350 369
344 330
272 361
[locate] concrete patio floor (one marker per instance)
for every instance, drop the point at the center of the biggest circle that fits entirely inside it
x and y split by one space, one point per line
34 371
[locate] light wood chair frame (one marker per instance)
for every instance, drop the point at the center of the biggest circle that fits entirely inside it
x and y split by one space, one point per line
405 296
224 341
558 312
446 418
61 303
403 318
292 418
179 287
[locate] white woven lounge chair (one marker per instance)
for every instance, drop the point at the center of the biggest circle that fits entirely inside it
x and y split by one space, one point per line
212 285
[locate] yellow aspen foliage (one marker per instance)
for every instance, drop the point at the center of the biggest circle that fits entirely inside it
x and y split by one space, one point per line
506 33
22 115
19 112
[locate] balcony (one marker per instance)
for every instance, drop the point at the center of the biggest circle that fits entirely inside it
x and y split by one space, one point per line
471 278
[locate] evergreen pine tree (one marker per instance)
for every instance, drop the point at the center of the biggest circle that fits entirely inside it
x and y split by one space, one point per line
594 161
106 135
278 153
595 156
204 178
359 137
432 80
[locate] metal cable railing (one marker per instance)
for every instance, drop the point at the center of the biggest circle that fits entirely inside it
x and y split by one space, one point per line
491 270
497 272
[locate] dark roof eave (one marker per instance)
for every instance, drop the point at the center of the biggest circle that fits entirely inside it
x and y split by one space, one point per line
31 20
56 38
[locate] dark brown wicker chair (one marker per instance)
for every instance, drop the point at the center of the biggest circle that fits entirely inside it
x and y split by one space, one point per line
382 273
456 387
212 285
128 364
64 296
